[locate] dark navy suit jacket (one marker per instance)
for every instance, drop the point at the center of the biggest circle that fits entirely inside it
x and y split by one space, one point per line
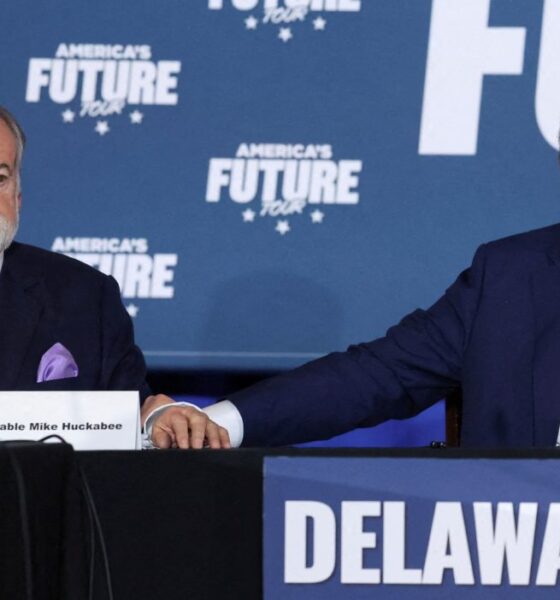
47 298
495 334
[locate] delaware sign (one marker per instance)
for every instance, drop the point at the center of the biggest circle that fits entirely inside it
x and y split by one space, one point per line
358 528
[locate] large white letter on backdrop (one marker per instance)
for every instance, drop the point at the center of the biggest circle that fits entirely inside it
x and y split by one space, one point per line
547 98
462 49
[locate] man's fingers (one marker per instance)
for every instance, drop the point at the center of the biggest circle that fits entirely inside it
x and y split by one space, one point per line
213 435
224 438
199 423
180 426
161 437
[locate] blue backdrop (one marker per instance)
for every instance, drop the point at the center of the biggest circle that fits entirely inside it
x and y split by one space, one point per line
271 180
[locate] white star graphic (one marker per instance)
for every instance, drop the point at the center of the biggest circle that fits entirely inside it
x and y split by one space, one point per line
132 310
136 117
282 227
319 24
102 127
317 216
285 34
251 22
68 116
248 215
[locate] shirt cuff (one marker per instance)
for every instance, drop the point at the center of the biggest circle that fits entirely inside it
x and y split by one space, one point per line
226 415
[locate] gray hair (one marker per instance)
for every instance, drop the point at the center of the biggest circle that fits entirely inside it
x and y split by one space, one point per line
19 135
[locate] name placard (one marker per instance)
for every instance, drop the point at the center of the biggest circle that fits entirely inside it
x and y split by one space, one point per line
87 420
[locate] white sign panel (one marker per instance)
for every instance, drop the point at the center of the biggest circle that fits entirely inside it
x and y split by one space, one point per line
87 420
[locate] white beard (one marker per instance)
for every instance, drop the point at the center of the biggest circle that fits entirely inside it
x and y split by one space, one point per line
7 231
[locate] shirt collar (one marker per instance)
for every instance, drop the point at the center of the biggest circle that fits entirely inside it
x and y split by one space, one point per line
1 260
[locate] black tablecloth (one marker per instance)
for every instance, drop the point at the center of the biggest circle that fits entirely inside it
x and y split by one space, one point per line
188 524
178 525
43 525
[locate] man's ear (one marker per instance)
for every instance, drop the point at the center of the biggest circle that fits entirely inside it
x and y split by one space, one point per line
18 200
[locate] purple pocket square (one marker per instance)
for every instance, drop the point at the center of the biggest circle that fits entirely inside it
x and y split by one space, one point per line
56 363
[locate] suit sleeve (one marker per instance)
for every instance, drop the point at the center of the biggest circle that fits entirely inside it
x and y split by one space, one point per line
417 363
122 365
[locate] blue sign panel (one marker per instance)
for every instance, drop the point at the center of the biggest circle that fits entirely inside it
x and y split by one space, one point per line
357 528
270 180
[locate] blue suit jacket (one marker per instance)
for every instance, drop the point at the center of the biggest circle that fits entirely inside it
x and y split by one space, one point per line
495 334
47 298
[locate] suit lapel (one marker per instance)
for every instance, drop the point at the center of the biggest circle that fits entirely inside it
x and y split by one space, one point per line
21 304
546 365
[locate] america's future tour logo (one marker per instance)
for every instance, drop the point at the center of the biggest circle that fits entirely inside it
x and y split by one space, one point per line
284 182
103 81
287 15
140 273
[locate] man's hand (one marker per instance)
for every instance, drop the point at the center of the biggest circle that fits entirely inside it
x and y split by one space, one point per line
183 426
